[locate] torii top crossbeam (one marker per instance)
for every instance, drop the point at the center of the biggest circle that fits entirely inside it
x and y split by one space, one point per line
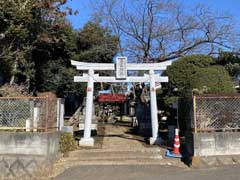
130 66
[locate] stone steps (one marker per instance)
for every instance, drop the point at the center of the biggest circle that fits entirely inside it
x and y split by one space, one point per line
120 150
109 157
114 155
113 158
112 162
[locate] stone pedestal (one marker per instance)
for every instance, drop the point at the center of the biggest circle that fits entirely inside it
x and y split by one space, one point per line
89 142
157 140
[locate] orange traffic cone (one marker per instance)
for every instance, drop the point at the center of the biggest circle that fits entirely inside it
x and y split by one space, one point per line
176 145
175 153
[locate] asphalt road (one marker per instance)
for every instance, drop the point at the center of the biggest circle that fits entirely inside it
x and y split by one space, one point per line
152 172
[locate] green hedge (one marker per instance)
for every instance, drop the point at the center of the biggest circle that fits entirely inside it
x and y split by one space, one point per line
67 143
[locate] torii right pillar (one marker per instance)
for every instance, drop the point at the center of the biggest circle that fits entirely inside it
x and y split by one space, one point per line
155 139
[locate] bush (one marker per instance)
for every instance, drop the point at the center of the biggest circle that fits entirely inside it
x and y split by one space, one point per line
214 79
198 72
67 143
13 90
181 71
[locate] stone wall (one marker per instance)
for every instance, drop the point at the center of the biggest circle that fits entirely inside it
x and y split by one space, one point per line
216 143
25 166
27 155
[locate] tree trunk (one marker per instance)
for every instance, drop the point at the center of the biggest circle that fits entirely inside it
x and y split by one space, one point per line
13 77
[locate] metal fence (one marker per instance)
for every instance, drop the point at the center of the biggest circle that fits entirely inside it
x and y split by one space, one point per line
29 113
216 113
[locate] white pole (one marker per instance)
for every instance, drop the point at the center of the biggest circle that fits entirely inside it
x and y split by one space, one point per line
154 116
58 113
87 140
35 118
28 125
61 115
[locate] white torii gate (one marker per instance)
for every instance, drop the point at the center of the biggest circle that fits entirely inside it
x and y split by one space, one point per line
121 76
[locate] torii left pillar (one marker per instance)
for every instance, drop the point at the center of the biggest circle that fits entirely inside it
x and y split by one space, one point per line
155 139
87 140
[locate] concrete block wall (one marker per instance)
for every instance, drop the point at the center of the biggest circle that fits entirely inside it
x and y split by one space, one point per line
28 143
25 167
216 143
27 154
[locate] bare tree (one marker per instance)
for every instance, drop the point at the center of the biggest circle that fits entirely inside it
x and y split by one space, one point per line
155 30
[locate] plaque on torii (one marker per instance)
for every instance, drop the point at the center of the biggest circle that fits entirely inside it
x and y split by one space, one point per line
121 68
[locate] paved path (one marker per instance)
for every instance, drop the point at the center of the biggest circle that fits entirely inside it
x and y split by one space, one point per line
120 137
149 173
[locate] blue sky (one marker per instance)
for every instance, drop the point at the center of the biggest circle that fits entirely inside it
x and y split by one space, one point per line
222 6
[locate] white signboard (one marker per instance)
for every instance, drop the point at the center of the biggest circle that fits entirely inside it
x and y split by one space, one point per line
121 68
